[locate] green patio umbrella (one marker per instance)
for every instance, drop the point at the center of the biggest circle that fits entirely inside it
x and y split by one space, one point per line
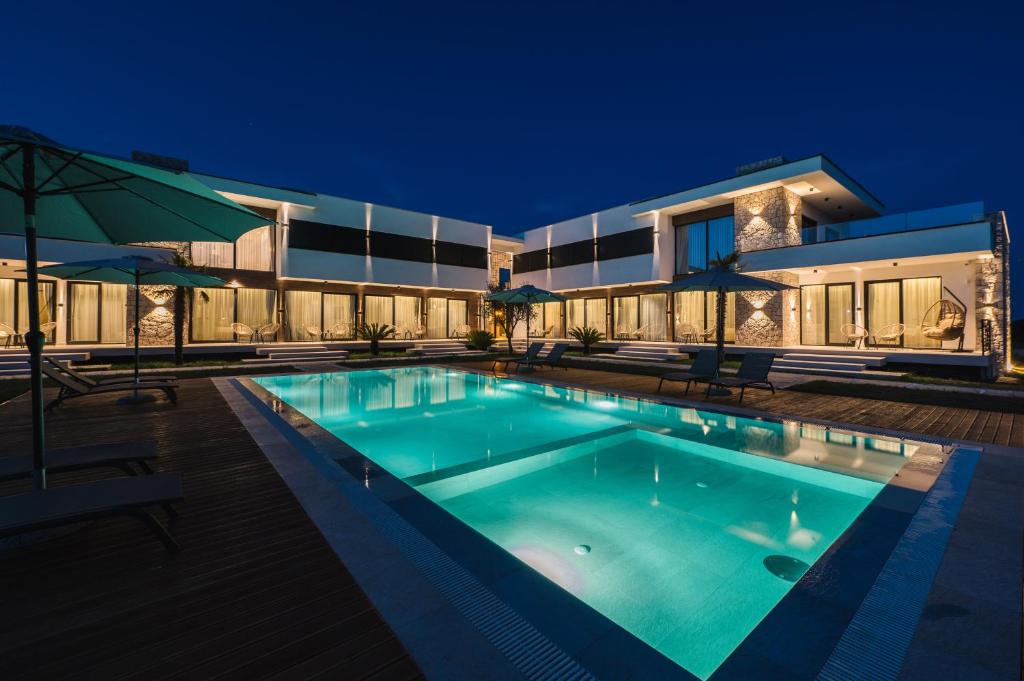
722 278
49 190
528 294
137 270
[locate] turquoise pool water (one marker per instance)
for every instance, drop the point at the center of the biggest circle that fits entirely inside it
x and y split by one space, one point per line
685 527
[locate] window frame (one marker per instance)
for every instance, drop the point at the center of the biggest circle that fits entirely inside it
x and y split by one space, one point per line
828 311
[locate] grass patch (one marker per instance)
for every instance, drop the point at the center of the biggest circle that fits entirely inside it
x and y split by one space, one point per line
939 398
1012 381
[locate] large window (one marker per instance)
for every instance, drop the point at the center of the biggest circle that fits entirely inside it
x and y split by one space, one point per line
312 316
824 310
698 243
401 312
587 312
458 313
903 301
339 316
641 317
254 250
547 321
695 316
214 310
14 306
97 312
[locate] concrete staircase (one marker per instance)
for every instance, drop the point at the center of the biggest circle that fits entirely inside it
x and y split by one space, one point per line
648 352
295 353
15 365
441 348
828 364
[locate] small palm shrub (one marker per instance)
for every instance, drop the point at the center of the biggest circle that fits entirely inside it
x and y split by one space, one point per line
375 333
587 336
479 340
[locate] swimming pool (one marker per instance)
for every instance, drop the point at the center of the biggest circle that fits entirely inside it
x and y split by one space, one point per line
685 527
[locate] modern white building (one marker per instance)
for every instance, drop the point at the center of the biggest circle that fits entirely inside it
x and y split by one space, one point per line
324 265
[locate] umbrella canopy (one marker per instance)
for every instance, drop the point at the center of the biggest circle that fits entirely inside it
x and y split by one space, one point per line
50 190
718 279
528 294
136 270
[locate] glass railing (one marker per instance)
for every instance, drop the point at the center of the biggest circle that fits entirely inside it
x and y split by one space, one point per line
900 222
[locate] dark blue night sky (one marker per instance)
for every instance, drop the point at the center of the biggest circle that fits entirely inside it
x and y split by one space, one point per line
520 114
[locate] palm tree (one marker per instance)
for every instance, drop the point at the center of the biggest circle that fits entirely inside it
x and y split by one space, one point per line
181 258
731 261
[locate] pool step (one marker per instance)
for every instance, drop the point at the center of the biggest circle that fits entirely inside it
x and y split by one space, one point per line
328 357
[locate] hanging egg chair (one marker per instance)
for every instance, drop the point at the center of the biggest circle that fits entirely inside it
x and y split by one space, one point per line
945 321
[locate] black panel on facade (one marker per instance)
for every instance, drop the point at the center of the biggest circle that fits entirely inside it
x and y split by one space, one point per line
461 255
624 244
530 261
316 236
401 247
575 253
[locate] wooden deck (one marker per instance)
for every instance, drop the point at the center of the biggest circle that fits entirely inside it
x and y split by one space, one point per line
255 594
948 422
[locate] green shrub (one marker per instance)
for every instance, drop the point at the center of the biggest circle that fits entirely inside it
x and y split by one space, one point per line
375 333
479 340
587 336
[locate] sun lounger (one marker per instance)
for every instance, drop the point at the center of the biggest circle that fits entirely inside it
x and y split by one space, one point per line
109 380
71 387
531 353
123 456
703 368
550 360
753 373
42 509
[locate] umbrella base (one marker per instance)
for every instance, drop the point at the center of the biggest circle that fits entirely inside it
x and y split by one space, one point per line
719 392
137 399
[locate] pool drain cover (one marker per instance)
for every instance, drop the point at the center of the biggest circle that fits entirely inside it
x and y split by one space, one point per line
786 567
582 549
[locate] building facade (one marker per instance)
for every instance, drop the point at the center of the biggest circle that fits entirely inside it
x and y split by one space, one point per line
324 265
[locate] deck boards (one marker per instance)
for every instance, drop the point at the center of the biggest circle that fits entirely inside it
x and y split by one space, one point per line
255 594
950 422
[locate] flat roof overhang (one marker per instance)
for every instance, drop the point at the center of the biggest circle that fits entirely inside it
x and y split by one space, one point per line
817 180
939 244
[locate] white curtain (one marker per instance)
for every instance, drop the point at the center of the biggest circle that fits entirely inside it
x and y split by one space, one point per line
553 319
597 309
918 296
256 307
113 313
457 312
85 301
7 302
45 304
437 317
213 254
652 315
883 304
407 315
624 317
688 313
575 313
840 311
340 315
254 250
812 314
302 310
378 310
213 314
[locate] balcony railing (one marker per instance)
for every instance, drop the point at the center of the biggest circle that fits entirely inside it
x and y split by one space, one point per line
960 214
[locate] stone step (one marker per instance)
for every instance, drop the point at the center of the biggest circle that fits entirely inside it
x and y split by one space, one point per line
808 364
318 354
273 349
650 357
62 356
285 362
867 360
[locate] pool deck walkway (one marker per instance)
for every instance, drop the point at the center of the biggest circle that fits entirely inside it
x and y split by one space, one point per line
256 592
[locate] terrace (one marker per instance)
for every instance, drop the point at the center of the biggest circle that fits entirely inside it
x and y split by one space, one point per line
259 593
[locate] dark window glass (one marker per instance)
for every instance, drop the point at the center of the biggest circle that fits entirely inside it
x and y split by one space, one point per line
624 244
697 246
317 236
721 239
705 241
575 253
530 261
461 255
401 247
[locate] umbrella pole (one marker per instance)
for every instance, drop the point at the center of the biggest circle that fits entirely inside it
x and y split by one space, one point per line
138 294
34 339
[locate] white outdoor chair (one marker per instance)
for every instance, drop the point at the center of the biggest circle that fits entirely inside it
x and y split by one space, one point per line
889 335
242 331
267 332
856 335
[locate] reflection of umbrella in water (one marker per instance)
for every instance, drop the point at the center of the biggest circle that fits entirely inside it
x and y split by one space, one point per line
136 270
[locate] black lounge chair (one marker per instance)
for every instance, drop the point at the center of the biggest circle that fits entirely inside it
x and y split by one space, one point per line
43 509
531 353
109 380
703 368
123 456
753 373
551 359
71 387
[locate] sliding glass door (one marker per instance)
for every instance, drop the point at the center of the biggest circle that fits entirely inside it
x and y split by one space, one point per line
640 317
14 306
695 315
214 310
97 312
458 316
592 312
437 317
903 301
824 310
339 316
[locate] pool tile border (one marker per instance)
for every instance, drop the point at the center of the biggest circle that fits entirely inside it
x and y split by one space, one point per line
787 640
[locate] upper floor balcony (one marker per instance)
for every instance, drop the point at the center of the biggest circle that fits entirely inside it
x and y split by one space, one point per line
946 216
